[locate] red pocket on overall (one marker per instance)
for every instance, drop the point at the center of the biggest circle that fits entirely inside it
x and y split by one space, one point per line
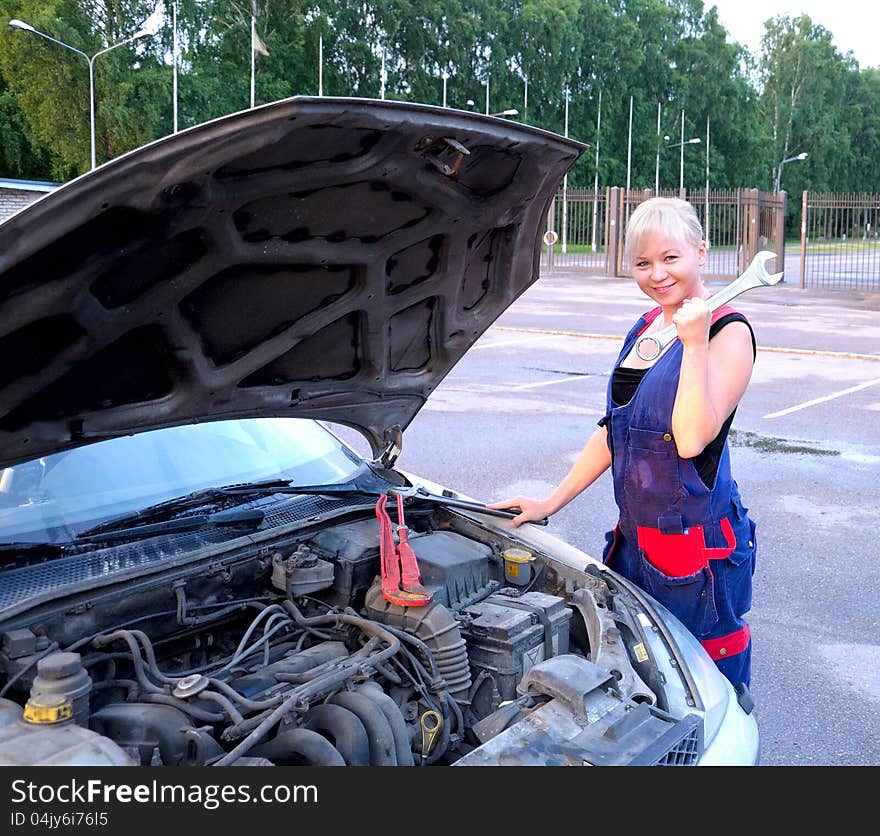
680 555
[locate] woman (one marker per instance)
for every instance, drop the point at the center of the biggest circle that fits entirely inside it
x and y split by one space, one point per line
683 534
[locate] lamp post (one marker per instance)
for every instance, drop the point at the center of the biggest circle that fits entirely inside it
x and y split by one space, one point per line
565 186
802 156
174 62
706 214
694 140
596 176
20 24
629 146
657 163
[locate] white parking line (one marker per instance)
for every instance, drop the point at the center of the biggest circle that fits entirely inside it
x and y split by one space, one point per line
826 398
529 338
565 379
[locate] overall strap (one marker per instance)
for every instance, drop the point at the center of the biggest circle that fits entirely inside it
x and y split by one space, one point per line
649 317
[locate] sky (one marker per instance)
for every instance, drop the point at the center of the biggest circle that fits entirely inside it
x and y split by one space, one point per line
854 24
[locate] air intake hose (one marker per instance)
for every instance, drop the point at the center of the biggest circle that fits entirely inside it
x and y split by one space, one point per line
437 628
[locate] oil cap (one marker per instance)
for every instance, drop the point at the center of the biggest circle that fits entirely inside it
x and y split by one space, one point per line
48 709
60 674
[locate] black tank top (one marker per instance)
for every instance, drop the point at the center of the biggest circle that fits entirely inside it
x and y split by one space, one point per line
624 383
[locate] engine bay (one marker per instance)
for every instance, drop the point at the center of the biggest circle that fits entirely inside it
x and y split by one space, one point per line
288 653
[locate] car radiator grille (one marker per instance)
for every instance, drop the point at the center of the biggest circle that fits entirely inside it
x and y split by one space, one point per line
684 753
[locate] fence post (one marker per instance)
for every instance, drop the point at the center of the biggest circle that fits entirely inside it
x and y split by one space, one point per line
612 231
551 227
737 238
780 204
751 212
606 233
804 204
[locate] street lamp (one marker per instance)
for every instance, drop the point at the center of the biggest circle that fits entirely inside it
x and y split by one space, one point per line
695 140
629 146
596 176
706 215
802 156
26 27
510 112
657 164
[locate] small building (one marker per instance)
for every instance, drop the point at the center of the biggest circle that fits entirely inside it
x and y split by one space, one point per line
16 194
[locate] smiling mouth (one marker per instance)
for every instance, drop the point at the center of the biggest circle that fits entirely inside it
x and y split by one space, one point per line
664 287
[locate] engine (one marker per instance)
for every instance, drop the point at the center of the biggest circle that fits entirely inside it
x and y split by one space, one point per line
291 655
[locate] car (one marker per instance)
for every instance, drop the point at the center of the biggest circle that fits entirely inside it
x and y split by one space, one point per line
196 566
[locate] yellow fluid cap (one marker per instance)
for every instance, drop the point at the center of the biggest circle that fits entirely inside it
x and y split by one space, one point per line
515 555
516 565
47 709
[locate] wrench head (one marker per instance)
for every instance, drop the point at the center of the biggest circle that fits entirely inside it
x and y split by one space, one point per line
760 263
648 348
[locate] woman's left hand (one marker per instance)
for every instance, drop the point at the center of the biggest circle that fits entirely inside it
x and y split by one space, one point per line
692 321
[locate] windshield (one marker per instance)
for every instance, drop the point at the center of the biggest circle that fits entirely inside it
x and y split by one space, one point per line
51 498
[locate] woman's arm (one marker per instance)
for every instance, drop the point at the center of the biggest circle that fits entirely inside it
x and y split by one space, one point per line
714 376
593 461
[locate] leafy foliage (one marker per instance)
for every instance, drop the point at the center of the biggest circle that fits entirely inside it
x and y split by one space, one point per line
799 93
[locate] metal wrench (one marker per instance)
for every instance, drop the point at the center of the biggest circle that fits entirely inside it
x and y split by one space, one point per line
755 275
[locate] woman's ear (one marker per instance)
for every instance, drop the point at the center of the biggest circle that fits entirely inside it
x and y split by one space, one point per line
702 253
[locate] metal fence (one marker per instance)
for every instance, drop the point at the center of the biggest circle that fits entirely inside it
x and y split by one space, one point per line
578 217
585 228
840 247
839 233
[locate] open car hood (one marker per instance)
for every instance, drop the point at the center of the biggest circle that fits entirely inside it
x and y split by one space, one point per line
317 257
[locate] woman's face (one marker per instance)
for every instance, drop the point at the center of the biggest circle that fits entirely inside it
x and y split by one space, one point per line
668 270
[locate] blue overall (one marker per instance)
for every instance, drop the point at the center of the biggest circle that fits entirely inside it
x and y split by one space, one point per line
690 547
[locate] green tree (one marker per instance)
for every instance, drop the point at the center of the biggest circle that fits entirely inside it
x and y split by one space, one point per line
710 85
804 80
20 156
51 83
863 96
797 94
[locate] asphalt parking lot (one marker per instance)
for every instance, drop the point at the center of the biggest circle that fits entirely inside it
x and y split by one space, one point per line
515 412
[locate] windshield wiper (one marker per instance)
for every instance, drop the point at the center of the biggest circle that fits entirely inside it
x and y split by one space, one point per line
46 548
207 497
153 514
233 516
408 492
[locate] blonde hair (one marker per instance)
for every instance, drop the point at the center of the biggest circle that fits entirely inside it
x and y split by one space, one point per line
668 216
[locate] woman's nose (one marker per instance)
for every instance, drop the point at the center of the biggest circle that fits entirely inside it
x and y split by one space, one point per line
658 270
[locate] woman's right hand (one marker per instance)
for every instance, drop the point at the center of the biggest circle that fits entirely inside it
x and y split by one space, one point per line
529 509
